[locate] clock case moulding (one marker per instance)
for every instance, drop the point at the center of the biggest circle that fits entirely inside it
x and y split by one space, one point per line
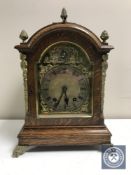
63 131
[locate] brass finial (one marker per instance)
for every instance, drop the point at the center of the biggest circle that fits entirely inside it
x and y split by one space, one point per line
23 35
104 36
63 15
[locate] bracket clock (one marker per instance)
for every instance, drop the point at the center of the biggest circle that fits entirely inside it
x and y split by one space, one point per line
64 67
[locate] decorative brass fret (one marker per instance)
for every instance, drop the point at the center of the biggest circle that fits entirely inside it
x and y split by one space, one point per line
24 68
104 68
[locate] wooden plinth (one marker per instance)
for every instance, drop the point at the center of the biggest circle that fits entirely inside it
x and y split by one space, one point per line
64 136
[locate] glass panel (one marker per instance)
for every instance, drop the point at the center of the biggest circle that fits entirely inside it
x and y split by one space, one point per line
64 82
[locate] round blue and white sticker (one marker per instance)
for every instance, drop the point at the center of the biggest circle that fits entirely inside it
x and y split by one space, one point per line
113 157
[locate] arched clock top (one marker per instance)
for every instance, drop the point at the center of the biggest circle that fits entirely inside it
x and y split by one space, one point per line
61 28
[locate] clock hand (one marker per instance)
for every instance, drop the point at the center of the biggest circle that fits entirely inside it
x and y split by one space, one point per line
62 92
57 103
66 99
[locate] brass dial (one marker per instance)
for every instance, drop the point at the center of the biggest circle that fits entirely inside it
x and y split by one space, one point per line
64 88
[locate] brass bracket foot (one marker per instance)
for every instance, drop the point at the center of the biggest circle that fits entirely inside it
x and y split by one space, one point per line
19 150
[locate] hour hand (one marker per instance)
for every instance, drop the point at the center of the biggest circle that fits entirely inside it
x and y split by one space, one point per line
58 101
66 100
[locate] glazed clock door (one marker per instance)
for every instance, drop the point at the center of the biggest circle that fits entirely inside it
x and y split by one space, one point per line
64 82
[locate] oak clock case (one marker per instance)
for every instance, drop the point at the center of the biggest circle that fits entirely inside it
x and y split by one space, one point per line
64 68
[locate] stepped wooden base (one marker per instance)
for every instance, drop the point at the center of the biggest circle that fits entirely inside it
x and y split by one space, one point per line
62 136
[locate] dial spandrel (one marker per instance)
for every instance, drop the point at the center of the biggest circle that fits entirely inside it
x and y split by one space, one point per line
64 80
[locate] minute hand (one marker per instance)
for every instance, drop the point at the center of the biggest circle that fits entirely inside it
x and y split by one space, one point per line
57 103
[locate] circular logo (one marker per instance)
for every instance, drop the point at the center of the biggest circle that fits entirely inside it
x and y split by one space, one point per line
113 157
